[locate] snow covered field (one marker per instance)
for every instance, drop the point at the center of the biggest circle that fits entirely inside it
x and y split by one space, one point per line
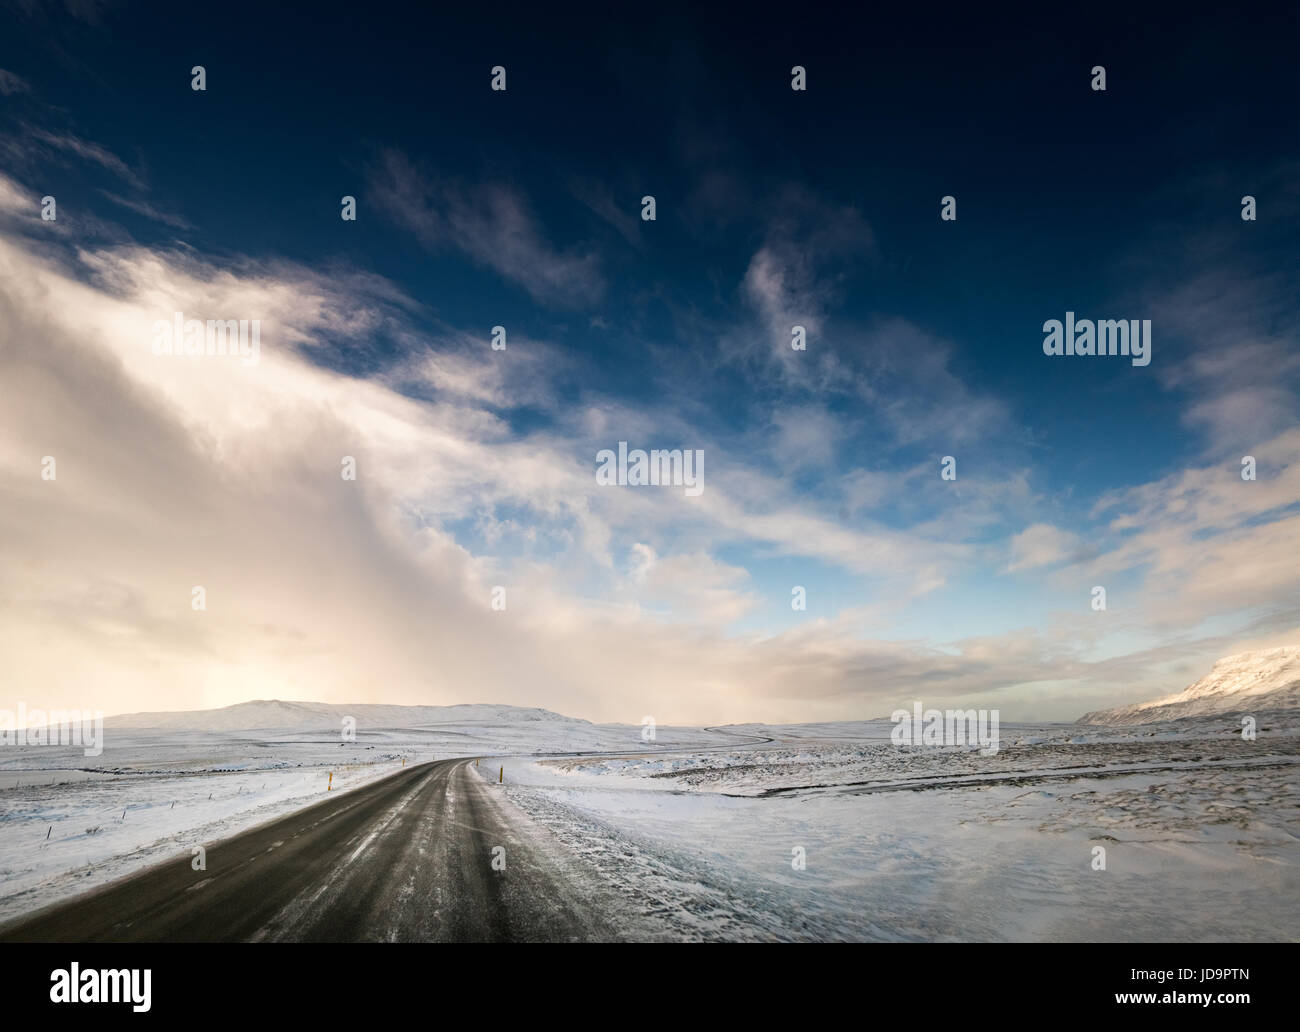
1201 832
700 830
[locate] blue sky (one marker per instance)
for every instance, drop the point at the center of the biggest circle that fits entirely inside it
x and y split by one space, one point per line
522 208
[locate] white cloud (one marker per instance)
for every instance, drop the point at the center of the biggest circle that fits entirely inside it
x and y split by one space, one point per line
176 472
1041 545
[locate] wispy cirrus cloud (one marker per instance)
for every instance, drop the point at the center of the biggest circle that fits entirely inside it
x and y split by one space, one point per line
12 84
1237 361
86 150
798 271
492 224
147 210
602 202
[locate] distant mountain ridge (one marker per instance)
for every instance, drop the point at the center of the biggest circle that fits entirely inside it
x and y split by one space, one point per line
263 714
1260 680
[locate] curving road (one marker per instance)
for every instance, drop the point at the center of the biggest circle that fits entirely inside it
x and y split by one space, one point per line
407 858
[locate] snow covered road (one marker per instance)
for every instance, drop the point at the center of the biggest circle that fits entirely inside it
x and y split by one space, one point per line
427 854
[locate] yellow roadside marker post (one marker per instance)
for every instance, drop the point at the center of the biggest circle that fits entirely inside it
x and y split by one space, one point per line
331 782
502 778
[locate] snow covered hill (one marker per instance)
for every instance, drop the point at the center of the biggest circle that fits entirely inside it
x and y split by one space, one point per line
312 716
1263 680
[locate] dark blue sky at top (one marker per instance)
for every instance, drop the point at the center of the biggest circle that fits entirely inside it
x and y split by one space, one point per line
1068 199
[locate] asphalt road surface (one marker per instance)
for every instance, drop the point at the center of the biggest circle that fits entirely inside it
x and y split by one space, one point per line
407 858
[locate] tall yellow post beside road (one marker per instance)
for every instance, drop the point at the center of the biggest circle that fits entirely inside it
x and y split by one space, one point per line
502 778
331 782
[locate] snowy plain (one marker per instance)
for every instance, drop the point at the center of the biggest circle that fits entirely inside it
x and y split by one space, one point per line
1201 832
825 831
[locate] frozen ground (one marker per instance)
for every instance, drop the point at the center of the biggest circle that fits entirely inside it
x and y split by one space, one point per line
697 831
1201 832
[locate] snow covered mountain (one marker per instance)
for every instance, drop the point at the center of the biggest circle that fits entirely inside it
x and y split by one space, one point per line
1267 679
312 716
